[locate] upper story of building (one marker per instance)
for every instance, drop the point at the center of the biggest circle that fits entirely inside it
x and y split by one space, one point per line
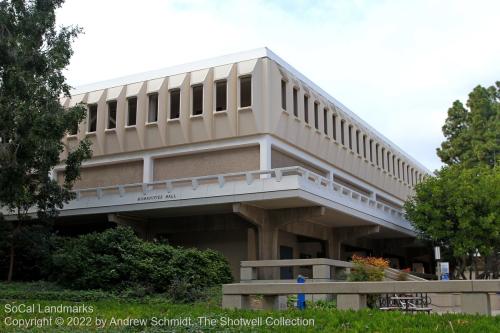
232 97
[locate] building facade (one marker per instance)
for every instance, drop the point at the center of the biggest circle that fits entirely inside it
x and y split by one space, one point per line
245 155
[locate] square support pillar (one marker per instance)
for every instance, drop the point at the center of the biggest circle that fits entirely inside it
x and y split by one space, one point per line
321 273
351 301
476 303
248 273
274 302
235 302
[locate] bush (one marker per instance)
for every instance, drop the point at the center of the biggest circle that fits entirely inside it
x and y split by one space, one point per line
117 259
368 269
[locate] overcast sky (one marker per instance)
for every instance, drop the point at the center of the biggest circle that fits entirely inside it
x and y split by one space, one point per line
397 64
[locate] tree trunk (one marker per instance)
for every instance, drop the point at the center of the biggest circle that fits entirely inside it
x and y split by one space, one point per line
11 263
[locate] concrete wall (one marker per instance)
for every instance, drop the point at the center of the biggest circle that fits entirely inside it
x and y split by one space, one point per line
223 161
107 175
281 160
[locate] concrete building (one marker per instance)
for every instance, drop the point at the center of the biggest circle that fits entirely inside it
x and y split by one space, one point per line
245 155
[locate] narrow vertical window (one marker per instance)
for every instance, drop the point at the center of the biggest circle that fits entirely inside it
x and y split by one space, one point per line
175 103
92 118
153 108
357 142
399 169
383 159
350 137
334 121
376 153
342 136
111 114
403 171
306 109
316 116
197 100
283 94
295 102
131 111
408 174
245 91
371 151
364 146
325 121
221 95
388 161
394 165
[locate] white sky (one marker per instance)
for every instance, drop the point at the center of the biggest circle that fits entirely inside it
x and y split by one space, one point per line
397 64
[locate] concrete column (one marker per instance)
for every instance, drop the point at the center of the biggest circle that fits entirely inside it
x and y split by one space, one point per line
248 274
321 273
351 301
476 303
265 153
235 302
268 249
252 244
274 302
147 173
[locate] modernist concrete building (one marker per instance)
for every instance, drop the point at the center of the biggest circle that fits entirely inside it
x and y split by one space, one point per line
245 155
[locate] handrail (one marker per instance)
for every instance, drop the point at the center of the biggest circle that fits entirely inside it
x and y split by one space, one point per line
296 262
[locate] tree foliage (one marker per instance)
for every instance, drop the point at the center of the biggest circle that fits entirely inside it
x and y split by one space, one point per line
473 133
459 208
33 54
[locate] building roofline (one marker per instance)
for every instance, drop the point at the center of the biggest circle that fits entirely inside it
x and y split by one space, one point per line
234 58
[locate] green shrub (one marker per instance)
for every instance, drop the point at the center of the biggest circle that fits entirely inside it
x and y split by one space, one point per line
362 272
117 259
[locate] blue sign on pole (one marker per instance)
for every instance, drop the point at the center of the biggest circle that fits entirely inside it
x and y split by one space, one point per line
301 298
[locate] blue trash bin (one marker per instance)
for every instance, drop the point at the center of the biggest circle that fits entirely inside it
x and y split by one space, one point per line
301 298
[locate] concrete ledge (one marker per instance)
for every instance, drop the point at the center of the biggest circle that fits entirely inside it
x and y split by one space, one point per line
362 287
296 262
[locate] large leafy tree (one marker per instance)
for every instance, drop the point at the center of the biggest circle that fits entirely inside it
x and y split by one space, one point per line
33 54
473 133
459 208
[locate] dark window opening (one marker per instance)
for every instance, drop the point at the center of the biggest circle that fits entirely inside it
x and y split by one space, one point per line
364 146
383 160
357 141
197 100
334 121
371 151
175 103
388 161
306 109
295 103
350 137
376 152
283 94
342 132
111 114
316 120
221 95
92 118
132 111
325 120
153 108
245 91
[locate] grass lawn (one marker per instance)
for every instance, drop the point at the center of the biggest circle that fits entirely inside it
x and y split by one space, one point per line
153 313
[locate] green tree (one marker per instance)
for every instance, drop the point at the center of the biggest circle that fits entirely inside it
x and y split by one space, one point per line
459 208
33 54
473 134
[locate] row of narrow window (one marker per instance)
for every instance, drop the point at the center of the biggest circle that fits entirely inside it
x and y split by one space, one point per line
245 100
388 162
